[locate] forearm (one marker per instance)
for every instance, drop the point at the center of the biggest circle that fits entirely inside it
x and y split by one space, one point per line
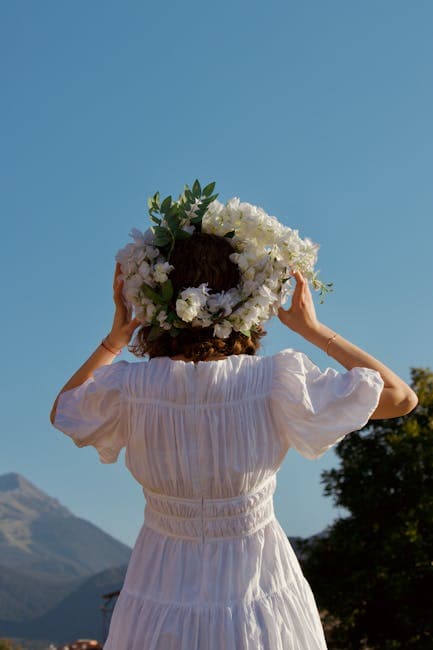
397 397
348 354
100 357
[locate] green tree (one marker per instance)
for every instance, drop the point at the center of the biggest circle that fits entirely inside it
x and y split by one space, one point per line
372 571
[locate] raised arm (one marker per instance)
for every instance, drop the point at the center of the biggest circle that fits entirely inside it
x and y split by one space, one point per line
397 397
119 336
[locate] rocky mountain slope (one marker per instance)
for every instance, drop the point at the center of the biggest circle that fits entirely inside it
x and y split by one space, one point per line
37 533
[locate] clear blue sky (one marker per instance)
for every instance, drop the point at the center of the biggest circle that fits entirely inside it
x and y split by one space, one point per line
320 112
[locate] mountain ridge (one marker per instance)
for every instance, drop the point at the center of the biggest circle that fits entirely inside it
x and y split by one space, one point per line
38 533
78 614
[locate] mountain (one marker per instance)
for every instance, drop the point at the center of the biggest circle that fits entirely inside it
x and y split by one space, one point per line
76 616
26 594
37 533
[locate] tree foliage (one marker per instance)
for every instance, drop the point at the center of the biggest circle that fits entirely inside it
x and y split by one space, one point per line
372 571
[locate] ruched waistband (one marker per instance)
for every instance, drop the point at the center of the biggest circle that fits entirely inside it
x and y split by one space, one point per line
202 519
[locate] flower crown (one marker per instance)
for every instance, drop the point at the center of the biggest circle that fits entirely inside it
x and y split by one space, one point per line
265 251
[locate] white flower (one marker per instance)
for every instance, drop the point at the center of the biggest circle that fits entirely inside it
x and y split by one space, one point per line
131 287
221 302
151 252
196 295
242 261
126 258
148 236
191 301
223 330
248 288
162 320
264 296
203 319
161 271
144 270
249 273
186 311
139 255
137 236
150 311
253 315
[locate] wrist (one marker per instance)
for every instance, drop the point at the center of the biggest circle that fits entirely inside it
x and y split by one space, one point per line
112 344
319 335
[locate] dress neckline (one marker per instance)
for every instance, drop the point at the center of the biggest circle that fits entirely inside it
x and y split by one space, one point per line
196 363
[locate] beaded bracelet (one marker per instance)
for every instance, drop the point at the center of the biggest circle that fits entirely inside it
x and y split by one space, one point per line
107 347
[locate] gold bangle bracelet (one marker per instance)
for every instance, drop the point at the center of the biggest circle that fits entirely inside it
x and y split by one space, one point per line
329 343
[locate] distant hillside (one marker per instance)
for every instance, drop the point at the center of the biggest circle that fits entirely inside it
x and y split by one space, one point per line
39 534
26 594
77 616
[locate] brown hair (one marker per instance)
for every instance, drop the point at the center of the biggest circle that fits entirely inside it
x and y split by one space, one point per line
200 258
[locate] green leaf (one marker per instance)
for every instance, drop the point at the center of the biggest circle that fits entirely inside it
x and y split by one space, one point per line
207 191
197 219
160 230
155 332
172 221
162 235
173 210
160 241
196 189
152 294
207 202
155 219
167 290
179 323
182 234
166 204
174 332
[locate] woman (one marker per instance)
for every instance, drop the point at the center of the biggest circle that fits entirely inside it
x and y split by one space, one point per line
206 425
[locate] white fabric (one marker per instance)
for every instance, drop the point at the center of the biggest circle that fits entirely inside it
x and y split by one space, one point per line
212 569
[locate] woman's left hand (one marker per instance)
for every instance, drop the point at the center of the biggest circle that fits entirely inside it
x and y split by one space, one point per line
123 324
301 317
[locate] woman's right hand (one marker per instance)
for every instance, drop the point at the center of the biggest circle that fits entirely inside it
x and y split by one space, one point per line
301 316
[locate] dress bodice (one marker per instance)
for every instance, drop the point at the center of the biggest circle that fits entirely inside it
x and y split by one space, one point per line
215 429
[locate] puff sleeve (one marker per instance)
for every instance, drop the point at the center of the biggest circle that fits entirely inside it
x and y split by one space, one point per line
313 410
95 413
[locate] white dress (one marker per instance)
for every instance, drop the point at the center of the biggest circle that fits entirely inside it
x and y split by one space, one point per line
212 568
